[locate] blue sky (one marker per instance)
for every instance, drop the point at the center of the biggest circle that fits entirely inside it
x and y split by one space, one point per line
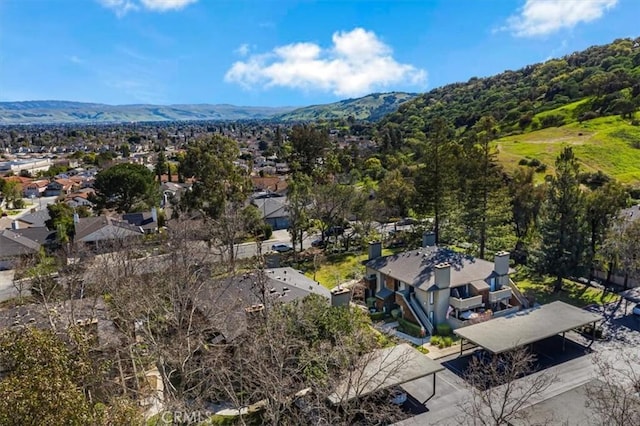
282 52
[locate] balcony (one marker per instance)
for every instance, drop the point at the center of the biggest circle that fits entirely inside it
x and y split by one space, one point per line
465 304
498 295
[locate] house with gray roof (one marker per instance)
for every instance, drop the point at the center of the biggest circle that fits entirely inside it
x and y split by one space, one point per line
435 285
226 304
102 229
274 211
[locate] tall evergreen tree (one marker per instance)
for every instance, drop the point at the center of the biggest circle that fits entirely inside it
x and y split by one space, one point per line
562 236
487 208
435 177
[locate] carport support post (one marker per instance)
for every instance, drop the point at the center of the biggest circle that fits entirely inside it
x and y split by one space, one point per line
593 332
563 341
461 345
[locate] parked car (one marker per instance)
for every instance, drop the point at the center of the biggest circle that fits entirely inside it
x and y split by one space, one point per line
281 247
636 310
319 243
334 230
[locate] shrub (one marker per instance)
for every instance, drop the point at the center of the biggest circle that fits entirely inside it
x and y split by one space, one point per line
523 162
436 340
395 313
410 328
448 341
589 115
534 162
371 301
541 168
376 316
422 349
443 329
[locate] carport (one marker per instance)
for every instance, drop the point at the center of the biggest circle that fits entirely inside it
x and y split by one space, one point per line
386 368
526 327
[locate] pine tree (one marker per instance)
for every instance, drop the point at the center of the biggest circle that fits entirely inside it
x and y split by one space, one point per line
562 236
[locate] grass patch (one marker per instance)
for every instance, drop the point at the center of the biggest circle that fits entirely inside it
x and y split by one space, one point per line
334 269
572 293
605 143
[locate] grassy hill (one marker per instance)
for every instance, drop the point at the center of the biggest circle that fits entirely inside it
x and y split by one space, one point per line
371 107
579 99
609 144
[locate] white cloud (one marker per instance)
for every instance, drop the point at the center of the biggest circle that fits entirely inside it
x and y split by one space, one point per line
357 63
542 17
243 49
162 5
76 59
122 7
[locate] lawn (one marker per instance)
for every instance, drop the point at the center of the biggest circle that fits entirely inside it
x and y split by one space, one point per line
335 269
573 293
604 144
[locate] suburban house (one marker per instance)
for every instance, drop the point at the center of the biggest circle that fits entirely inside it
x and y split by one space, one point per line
435 285
103 229
147 221
59 187
269 184
274 211
228 303
19 243
35 188
34 219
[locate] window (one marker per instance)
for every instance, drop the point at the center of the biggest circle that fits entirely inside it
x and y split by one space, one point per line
492 284
431 298
431 317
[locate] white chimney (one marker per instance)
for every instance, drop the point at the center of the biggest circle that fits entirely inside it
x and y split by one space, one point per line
442 275
76 218
501 263
15 225
429 239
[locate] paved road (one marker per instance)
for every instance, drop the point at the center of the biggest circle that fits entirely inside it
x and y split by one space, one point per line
7 290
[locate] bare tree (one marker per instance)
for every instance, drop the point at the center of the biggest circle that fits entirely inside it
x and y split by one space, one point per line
614 397
501 387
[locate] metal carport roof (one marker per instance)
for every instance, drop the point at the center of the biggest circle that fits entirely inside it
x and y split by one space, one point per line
528 326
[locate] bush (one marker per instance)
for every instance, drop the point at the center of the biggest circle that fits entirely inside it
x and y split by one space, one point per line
376 316
422 349
371 301
523 162
436 340
18 204
395 313
410 328
541 168
443 329
448 341
534 162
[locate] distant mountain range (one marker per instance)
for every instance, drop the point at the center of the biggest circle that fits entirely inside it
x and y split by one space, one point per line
370 107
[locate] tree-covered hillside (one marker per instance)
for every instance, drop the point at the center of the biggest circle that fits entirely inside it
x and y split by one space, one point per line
368 108
607 76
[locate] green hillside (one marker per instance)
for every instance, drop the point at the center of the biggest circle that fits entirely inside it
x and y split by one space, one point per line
371 107
587 99
607 144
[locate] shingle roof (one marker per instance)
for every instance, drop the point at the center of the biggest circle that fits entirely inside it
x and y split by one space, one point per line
224 301
142 219
37 218
13 244
272 207
416 267
111 228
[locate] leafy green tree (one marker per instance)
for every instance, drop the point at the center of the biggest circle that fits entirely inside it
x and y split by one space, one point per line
61 219
308 144
125 185
621 247
562 222
12 194
397 193
602 207
218 180
526 198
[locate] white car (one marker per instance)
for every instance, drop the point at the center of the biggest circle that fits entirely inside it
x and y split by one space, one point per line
281 247
636 310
